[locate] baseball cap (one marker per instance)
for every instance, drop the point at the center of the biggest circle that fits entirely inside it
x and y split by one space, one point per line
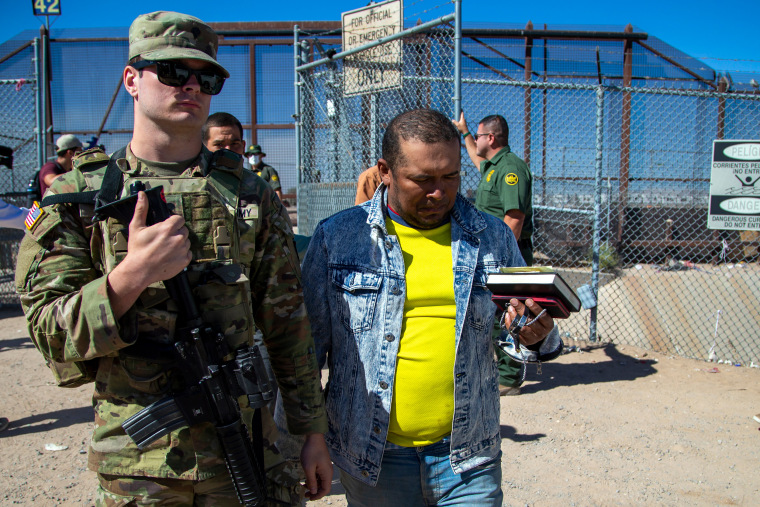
254 149
166 35
67 142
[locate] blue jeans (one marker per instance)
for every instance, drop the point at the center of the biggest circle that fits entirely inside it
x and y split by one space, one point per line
423 476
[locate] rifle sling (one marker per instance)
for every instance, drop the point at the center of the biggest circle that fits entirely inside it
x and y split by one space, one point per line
109 189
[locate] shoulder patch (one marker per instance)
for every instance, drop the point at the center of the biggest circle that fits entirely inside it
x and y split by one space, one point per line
274 177
35 213
511 179
90 159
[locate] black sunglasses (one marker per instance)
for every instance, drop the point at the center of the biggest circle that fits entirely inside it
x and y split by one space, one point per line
174 73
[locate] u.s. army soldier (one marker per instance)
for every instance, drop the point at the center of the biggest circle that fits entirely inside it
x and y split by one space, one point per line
94 295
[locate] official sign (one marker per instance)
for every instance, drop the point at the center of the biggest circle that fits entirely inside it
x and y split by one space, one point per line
735 186
46 7
379 67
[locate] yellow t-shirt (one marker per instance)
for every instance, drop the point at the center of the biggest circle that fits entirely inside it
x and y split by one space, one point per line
423 392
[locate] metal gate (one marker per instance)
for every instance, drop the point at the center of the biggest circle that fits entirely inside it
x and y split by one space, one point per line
621 178
338 134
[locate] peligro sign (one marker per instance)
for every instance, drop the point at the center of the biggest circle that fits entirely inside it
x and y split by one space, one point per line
743 151
745 205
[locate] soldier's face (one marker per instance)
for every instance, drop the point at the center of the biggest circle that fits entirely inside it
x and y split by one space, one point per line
423 188
225 137
184 105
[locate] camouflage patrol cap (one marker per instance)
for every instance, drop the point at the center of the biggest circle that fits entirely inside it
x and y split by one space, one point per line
164 35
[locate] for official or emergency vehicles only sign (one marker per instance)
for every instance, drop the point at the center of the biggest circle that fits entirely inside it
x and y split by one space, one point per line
379 67
735 186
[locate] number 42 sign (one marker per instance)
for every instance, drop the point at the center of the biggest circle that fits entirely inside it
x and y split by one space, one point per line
46 7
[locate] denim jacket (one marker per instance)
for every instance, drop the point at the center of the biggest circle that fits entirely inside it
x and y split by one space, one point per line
354 287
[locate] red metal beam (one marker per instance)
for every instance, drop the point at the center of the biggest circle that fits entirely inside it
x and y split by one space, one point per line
528 105
625 133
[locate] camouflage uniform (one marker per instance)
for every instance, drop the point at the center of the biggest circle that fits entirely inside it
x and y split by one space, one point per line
244 269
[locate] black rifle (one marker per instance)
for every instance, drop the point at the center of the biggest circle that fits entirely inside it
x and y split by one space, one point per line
215 382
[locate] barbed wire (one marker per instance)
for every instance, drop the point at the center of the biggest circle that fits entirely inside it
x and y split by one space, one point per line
426 11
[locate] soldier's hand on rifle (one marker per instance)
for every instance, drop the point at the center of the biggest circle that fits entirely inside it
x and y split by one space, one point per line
537 328
154 253
162 249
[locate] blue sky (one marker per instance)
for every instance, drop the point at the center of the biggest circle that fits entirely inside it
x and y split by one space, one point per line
726 38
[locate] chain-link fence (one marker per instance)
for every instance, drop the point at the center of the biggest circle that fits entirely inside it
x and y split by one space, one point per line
621 184
18 110
628 166
631 167
345 103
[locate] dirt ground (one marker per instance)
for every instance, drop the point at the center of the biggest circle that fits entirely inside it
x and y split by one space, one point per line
603 425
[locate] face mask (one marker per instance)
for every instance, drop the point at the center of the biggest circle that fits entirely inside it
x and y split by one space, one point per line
256 159
253 160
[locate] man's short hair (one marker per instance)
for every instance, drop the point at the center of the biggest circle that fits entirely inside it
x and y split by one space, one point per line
496 124
426 125
220 120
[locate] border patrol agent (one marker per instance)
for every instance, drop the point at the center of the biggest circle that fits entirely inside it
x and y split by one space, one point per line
506 192
94 295
267 172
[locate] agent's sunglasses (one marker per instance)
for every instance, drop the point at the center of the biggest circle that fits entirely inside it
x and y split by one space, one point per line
174 73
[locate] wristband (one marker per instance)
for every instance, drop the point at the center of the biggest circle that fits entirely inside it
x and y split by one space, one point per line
464 136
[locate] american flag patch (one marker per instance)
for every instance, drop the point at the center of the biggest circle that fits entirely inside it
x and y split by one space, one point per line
35 212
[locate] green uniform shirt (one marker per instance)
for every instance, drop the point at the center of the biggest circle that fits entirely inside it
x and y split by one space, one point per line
268 174
61 277
506 184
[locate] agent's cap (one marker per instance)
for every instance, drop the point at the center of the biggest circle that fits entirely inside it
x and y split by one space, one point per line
254 149
165 35
67 142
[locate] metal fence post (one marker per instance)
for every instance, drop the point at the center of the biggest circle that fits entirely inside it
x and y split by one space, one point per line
597 209
722 87
44 84
457 58
38 117
297 114
528 92
625 134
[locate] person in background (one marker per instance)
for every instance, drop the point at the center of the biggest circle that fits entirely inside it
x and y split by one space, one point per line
267 172
395 293
506 192
368 182
223 130
66 147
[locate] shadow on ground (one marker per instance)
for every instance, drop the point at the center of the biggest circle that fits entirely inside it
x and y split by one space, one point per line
16 343
8 311
619 368
510 433
48 421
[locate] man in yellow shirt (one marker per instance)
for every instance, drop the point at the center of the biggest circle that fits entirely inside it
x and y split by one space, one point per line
395 293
